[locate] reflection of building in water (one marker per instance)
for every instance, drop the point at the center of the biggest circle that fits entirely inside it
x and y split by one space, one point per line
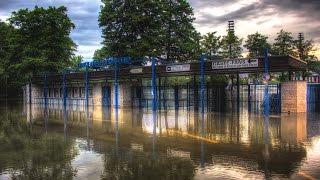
293 127
177 153
229 139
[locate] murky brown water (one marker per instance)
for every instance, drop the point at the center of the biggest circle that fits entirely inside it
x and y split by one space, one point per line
179 145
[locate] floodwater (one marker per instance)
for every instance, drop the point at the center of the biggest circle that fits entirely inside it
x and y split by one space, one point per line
102 143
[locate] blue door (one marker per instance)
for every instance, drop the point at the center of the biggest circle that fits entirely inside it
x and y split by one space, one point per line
106 96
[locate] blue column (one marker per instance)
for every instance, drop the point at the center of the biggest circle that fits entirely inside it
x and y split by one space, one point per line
238 92
249 97
176 97
117 131
202 83
188 98
266 64
154 90
45 91
87 85
154 134
88 129
64 89
116 93
65 122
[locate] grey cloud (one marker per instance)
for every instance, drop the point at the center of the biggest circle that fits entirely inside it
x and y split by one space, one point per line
198 4
244 13
308 9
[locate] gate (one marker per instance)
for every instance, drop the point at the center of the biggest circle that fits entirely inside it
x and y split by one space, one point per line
313 97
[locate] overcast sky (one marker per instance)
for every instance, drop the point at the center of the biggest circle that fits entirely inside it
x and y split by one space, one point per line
265 16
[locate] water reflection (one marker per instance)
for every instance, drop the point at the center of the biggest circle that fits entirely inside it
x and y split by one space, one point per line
140 144
26 154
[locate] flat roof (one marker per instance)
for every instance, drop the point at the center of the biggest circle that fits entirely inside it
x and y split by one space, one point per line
224 66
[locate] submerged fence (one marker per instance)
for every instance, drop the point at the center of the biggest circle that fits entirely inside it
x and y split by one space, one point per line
218 98
313 97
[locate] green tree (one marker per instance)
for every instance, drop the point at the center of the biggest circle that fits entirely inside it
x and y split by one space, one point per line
130 28
75 60
9 53
256 43
4 51
43 39
231 46
210 44
284 43
100 54
148 28
180 35
305 51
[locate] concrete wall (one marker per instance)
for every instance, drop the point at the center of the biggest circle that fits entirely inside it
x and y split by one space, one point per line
35 92
125 94
294 96
96 94
96 99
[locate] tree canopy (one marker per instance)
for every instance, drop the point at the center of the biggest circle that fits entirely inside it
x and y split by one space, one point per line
230 46
256 44
148 28
43 37
210 44
284 43
35 41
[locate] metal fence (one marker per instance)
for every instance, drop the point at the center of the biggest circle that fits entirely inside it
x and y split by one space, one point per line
216 97
313 97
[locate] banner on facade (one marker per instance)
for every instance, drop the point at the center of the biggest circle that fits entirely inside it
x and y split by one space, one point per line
239 63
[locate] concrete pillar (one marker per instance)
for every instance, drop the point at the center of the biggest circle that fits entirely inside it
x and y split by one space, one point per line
294 96
36 93
96 94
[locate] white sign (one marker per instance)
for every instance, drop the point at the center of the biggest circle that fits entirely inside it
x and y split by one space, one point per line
178 68
266 76
136 71
240 63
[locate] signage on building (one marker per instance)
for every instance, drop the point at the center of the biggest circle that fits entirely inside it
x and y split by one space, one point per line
178 68
108 61
239 63
136 71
